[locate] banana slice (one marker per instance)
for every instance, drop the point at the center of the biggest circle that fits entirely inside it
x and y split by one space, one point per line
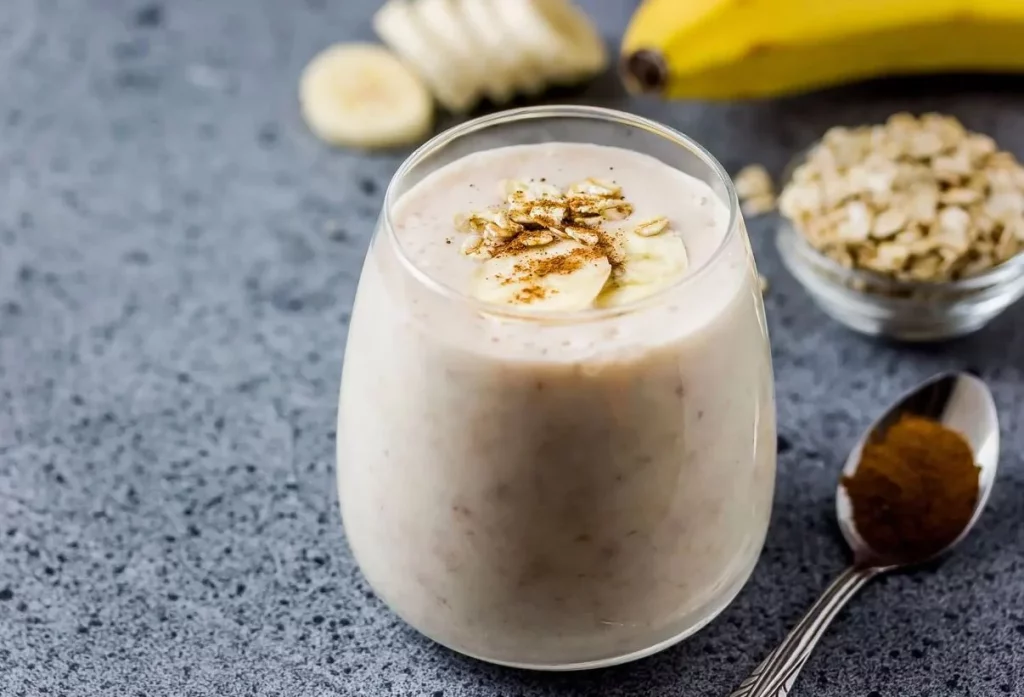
564 275
484 41
398 25
561 37
446 20
362 95
649 265
504 39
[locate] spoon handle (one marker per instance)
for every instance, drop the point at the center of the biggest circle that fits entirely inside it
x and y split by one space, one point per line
777 673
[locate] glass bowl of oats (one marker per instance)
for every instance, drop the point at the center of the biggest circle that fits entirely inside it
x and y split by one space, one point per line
912 229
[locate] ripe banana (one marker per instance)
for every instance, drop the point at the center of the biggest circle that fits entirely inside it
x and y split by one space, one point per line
361 95
734 49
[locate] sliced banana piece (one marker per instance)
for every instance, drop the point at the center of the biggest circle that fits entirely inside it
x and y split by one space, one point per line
484 38
447 21
564 275
398 25
503 39
363 95
649 264
560 36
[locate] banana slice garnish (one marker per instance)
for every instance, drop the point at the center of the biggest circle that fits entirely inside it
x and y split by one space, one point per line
560 276
548 249
649 264
362 95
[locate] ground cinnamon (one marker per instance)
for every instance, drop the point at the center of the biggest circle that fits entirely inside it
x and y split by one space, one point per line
914 490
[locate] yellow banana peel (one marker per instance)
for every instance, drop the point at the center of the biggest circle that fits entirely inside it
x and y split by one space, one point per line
737 49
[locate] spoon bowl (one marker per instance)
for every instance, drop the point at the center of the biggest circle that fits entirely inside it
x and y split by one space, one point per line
959 401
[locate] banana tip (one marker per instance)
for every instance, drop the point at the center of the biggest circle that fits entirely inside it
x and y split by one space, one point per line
644 71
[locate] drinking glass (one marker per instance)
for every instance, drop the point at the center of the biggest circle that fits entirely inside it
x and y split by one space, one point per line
557 508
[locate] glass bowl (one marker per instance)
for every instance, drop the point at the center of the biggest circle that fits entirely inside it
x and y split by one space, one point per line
903 310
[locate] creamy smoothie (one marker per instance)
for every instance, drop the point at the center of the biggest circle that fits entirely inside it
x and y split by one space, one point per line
561 460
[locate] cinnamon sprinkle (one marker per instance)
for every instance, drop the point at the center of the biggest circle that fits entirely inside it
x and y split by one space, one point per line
529 294
559 264
532 217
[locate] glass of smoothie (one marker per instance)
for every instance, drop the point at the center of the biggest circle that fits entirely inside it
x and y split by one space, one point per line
556 439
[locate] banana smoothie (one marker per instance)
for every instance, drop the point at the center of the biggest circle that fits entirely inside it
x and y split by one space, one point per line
556 437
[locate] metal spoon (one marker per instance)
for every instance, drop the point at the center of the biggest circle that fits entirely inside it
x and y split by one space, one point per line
957 400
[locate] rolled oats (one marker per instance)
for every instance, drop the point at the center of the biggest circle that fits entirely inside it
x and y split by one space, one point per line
471 244
582 235
914 198
960 197
753 180
548 215
493 231
755 190
888 223
535 213
1007 245
593 221
651 226
857 225
925 268
529 191
595 187
620 211
909 235
758 205
979 146
925 145
951 168
536 238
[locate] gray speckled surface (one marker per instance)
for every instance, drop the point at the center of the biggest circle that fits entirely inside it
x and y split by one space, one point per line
177 262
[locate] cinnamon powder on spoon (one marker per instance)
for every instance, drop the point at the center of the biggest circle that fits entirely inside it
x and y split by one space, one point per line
914 490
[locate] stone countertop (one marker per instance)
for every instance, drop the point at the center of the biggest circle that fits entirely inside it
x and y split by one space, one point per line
177 262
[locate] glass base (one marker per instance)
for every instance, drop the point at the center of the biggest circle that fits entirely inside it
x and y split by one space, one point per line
711 611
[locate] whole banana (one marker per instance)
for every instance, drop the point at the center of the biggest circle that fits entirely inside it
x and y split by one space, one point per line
736 49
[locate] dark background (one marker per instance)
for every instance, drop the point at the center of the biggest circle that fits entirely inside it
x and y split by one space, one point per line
178 257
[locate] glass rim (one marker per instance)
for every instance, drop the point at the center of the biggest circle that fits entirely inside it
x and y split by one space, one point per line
557 111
